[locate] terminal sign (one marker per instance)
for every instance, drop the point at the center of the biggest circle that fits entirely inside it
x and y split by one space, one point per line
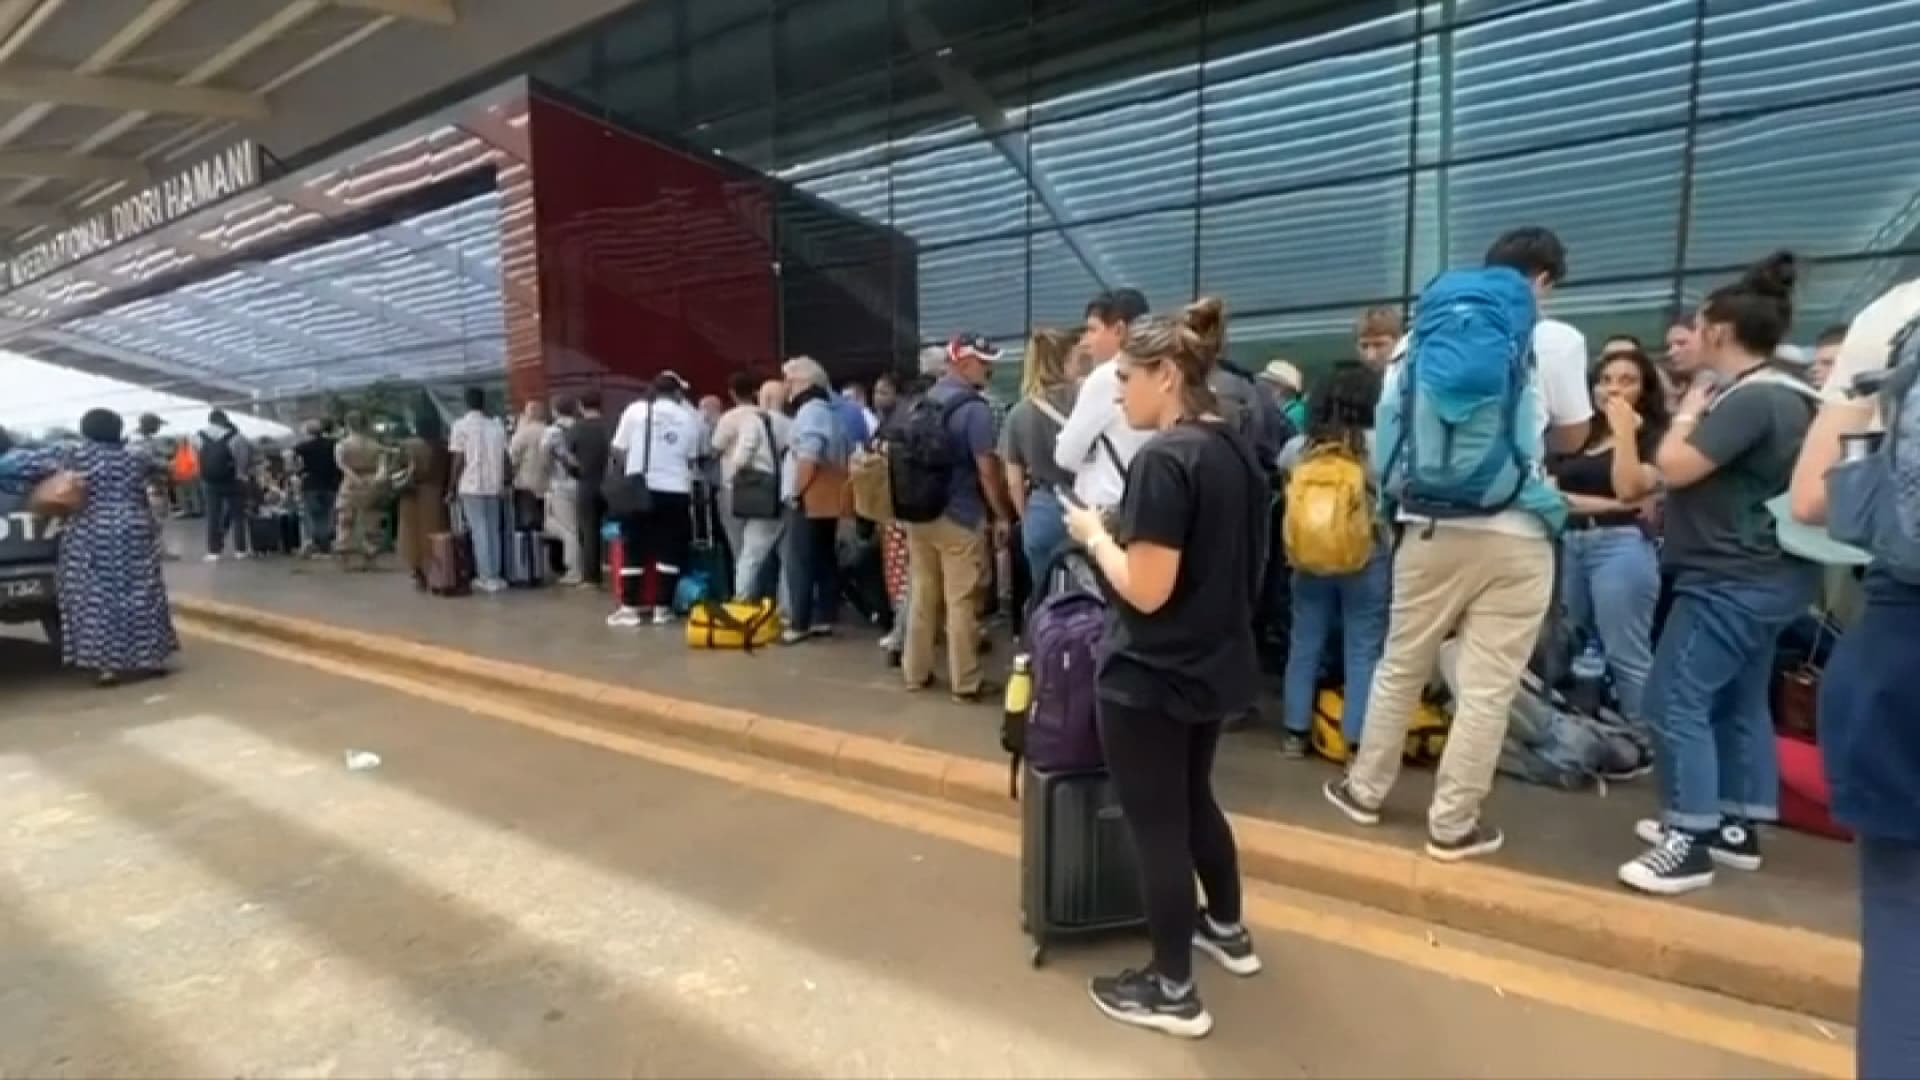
208 181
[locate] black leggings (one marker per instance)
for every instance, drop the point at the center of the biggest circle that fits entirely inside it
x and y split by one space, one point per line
659 538
1163 772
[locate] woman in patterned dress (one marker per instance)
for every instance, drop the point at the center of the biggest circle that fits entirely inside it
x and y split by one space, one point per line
422 504
113 603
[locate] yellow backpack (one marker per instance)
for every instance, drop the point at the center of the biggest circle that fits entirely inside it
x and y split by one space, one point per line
1329 529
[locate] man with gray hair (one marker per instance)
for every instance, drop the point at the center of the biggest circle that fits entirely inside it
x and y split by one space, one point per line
814 480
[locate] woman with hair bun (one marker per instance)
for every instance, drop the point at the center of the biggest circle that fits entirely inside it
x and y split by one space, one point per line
1729 451
1177 660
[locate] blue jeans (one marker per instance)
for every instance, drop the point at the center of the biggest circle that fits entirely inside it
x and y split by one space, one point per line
1707 698
1610 584
1043 534
1359 603
1889 1040
226 513
486 516
317 508
810 565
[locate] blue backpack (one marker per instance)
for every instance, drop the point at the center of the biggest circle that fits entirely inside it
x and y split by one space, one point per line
1455 447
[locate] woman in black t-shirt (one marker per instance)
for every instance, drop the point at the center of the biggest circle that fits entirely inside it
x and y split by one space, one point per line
1177 658
1610 572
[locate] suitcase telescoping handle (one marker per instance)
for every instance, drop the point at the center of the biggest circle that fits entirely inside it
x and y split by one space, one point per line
1060 577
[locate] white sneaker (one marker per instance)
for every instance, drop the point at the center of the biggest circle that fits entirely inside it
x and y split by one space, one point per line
663 616
1679 863
626 618
243 554
209 557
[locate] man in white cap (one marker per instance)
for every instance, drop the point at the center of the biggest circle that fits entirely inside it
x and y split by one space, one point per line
1290 390
948 556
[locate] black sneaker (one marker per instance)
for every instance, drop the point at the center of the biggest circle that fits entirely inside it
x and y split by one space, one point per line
1483 840
1233 950
1679 863
985 692
1140 998
1734 845
1341 796
1293 745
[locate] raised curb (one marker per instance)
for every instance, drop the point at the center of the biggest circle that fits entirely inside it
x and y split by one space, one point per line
1784 967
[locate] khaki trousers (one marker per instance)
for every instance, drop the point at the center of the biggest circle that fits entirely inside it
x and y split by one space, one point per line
1493 590
945 561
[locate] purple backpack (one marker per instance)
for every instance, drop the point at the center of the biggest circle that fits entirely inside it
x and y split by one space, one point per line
1062 734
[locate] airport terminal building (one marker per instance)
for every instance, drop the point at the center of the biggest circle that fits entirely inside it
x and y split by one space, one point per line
549 197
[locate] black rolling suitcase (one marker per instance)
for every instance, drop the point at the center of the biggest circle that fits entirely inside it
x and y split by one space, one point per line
524 557
1079 874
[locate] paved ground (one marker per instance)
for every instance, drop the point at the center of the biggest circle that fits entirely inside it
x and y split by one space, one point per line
195 884
1808 881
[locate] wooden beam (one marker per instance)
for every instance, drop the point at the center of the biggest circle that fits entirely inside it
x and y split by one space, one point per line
32 163
56 87
129 36
436 12
23 29
17 216
273 26
13 13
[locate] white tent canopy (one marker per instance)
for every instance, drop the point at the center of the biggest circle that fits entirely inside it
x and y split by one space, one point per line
39 396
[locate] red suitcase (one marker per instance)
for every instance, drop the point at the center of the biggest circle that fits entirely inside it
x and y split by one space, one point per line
1805 799
449 564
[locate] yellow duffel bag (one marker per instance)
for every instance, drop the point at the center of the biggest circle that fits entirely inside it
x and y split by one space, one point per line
713 625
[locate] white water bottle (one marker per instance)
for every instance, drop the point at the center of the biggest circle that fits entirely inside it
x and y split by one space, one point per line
1589 669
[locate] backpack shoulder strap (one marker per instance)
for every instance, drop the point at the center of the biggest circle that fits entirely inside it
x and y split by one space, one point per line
957 402
1767 377
1256 527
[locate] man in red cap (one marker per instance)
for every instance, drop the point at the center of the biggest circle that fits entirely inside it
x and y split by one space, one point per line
953 456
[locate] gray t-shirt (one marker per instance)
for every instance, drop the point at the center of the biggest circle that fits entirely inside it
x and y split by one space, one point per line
1721 524
1028 437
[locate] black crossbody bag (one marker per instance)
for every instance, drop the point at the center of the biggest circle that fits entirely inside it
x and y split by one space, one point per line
756 492
627 494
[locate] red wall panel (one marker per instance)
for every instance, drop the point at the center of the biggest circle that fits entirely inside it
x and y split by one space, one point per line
650 259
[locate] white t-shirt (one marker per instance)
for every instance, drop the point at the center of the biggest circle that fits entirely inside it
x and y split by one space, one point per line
1560 369
678 437
1097 419
1561 398
481 442
1870 337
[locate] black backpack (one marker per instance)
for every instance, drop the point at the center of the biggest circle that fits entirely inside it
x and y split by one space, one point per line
920 459
216 460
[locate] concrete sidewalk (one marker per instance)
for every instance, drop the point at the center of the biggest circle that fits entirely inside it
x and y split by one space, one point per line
1569 843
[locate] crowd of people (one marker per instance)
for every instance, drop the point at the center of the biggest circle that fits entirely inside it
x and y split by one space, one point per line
1629 508
1641 521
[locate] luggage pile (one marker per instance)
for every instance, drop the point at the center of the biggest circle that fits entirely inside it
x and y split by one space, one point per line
1079 872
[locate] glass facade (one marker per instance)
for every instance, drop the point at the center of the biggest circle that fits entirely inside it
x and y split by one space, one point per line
989 165
1303 159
